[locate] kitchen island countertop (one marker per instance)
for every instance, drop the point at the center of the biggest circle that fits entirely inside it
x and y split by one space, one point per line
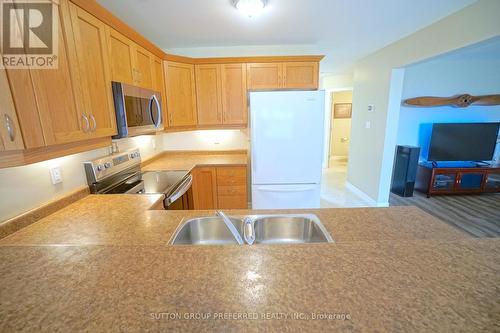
103 264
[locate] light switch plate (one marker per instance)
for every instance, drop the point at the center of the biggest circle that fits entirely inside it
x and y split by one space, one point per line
56 175
368 125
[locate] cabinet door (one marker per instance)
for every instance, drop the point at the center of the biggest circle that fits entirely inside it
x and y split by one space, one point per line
234 94
492 181
300 75
143 68
10 132
204 188
181 94
208 94
94 69
120 54
470 181
264 76
444 181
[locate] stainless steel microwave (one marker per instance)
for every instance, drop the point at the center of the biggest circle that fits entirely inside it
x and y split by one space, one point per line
138 110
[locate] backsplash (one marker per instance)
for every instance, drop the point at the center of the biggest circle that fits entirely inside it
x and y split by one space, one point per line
27 187
206 140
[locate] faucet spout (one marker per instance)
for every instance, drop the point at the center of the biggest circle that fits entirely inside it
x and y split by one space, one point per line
230 226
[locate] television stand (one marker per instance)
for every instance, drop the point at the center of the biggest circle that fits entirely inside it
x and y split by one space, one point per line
442 180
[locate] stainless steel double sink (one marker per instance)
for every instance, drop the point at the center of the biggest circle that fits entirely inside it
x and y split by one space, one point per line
251 229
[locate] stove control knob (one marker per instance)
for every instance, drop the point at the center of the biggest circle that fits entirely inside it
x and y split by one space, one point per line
107 165
99 167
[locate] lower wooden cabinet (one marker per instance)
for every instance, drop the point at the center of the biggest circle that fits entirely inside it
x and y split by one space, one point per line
220 188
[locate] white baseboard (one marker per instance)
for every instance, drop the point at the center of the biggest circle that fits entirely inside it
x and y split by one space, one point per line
365 196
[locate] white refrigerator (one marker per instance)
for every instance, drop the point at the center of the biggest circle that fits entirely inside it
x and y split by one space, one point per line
287 133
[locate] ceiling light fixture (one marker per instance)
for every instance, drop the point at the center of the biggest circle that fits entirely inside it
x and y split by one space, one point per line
250 7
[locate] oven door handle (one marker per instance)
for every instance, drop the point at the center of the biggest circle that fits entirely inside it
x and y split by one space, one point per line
154 100
179 191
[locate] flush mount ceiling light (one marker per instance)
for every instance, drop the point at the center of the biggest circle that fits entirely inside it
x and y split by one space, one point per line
250 7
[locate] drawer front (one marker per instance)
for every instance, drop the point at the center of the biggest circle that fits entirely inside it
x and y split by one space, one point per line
233 202
229 176
239 190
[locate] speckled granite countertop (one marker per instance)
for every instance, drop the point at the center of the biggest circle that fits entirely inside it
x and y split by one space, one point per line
188 160
102 264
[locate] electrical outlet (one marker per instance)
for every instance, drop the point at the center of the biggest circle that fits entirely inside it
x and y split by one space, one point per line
56 175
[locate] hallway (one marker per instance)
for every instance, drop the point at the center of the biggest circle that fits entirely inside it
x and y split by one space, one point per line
334 193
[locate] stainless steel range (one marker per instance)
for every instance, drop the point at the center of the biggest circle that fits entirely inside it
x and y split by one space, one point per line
121 174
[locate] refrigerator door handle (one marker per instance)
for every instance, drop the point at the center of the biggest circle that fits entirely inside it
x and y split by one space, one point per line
253 142
288 188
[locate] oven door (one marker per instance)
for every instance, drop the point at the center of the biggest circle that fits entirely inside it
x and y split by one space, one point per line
181 197
138 110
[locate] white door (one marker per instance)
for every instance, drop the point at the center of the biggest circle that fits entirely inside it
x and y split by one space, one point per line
287 136
286 196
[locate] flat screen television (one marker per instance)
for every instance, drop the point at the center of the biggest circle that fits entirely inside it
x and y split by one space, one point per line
463 142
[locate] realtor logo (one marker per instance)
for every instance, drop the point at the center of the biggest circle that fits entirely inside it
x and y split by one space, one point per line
29 34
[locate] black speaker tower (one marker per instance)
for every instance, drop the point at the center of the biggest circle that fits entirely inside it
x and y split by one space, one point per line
405 170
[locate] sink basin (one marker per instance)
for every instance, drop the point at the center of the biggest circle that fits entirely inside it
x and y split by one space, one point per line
289 229
207 231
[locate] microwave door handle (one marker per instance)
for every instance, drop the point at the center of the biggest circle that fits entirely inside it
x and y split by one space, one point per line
180 191
152 100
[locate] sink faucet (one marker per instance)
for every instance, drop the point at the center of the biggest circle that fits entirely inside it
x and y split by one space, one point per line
230 226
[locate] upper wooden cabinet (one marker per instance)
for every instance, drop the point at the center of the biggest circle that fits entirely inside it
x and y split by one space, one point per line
94 69
300 75
221 94
10 132
286 75
181 94
234 94
209 94
130 63
262 76
120 53
143 67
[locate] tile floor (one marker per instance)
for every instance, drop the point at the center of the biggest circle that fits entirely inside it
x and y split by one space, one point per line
334 194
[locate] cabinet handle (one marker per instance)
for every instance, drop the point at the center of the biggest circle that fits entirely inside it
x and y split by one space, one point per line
87 123
10 128
94 123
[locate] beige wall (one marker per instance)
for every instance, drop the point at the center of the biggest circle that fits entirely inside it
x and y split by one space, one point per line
27 187
341 128
372 150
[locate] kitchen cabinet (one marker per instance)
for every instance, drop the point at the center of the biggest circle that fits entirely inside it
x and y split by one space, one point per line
300 75
234 94
49 102
220 187
262 76
208 94
286 75
130 63
120 50
181 94
232 188
94 70
204 188
143 67
221 94
10 133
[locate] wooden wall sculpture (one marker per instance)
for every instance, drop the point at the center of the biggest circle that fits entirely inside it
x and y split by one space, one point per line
459 101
